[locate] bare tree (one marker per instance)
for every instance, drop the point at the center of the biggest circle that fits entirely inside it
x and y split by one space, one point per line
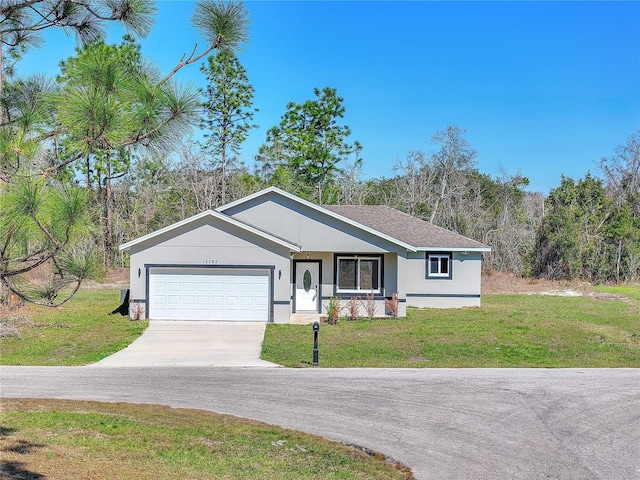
350 188
417 180
451 163
622 173
514 218
203 182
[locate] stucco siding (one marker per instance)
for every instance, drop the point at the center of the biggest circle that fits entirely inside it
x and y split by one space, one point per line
210 244
304 226
462 289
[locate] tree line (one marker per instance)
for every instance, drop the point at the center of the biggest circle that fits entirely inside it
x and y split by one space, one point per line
101 155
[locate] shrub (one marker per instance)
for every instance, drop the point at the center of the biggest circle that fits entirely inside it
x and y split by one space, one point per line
370 305
137 311
333 310
392 305
353 305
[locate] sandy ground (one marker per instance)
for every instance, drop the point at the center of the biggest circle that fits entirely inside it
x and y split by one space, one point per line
501 282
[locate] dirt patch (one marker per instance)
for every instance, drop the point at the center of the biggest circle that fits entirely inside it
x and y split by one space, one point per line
510 283
503 282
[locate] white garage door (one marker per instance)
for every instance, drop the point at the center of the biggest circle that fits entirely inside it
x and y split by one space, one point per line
208 294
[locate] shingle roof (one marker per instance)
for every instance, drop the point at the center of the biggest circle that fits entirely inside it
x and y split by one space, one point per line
404 227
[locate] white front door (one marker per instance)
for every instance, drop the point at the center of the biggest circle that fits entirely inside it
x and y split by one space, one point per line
307 286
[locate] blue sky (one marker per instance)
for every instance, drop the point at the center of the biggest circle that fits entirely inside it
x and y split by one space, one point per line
542 88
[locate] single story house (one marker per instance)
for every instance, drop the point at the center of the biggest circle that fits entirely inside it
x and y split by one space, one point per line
274 257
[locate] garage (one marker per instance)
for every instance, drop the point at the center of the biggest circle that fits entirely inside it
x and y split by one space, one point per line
218 293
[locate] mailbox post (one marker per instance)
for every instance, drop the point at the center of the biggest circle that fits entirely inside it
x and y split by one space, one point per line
316 329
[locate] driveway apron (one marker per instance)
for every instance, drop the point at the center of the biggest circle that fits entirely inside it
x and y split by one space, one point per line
194 343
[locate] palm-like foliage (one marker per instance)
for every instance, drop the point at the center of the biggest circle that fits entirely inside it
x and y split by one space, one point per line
38 222
24 136
223 25
111 105
108 106
22 21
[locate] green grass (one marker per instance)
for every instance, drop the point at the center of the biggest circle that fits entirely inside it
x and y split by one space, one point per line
508 331
631 291
81 440
78 333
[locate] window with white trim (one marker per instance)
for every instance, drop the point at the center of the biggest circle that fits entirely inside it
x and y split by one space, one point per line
358 274
438 265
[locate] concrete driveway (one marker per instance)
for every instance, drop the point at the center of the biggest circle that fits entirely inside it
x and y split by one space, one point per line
194 344
569 424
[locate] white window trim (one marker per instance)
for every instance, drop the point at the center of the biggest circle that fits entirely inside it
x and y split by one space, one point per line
358 258
439 274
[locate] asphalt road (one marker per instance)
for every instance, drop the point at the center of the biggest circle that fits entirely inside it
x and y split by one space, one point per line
444 423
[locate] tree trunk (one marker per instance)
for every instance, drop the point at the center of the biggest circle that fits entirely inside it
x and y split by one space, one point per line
619 261
1 90
108 208
443 190
223 180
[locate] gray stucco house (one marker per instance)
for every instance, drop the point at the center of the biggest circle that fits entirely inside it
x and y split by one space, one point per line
274 257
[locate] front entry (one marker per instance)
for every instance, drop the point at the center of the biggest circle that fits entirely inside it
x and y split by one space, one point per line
307 287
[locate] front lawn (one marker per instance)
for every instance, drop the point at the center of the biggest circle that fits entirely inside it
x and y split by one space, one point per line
77 333
508 331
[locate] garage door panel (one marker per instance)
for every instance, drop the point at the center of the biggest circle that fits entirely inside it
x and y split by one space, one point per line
209 294
188 300
231 288
245 301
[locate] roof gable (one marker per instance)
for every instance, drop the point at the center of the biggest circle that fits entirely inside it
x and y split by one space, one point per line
323 210
217 216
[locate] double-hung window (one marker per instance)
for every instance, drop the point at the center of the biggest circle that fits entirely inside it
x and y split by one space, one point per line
358 274
438 265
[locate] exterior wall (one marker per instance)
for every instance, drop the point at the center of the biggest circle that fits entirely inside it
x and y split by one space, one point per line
327 288
461 290
312 230
210 243
321 236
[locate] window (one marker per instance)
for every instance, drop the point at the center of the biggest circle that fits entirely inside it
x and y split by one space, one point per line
438 265
358 274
